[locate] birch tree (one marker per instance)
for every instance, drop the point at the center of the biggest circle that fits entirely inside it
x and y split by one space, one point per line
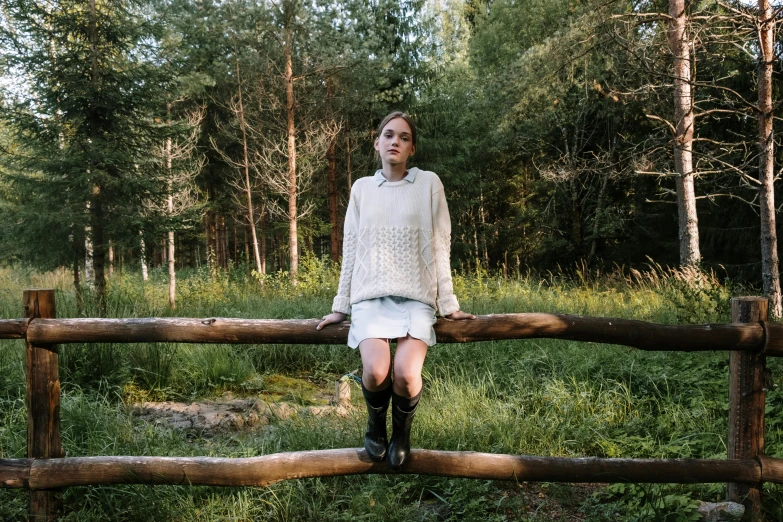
679 45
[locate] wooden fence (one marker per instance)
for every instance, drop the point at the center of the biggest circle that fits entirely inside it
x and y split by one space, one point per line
749 339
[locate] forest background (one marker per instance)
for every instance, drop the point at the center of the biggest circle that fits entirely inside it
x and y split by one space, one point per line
138 134
585 145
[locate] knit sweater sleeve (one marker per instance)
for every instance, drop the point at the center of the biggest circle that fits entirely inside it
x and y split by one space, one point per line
342 301
441 231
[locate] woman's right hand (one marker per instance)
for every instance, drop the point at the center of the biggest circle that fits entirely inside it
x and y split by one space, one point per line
334 317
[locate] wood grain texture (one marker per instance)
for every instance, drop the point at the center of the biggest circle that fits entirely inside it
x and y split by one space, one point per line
773 339
14 473
771 469
13 328
747 400
262 471
637 334
43 402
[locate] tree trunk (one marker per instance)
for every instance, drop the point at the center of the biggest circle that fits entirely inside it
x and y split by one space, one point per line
89 271
278 253
221 241
96 199
482 218
99 252
208 233
226 243
576 214
679 46
272 261
170 208
598 214
333 219
476 255
289 95
143 257
172 273
263 239
211 243
348 156
218 241
247 241
246 168
111 259
770 274
332 177
77 286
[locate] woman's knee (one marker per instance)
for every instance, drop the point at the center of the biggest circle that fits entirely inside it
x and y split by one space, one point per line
374 373
376 361
407 377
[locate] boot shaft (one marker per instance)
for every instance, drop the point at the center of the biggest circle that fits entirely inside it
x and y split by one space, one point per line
403 412
375 441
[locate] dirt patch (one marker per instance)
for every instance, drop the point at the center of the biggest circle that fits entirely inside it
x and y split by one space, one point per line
227 413
553 501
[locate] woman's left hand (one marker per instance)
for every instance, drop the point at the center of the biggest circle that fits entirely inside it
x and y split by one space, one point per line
459 314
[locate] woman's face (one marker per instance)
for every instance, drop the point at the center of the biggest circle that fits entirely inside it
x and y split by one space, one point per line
395 143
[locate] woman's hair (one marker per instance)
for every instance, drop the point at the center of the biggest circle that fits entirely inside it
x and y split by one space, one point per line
398 114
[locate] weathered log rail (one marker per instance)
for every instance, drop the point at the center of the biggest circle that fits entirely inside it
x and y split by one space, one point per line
749 339
13 328
268 469
761 337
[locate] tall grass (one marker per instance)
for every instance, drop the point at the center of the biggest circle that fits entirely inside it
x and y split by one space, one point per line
535 396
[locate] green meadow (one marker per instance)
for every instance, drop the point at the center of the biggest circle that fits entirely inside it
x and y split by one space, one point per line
536 397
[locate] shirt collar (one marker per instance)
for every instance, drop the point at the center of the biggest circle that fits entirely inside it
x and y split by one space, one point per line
410 177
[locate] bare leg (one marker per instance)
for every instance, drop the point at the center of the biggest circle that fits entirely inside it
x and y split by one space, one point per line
376 364
408 362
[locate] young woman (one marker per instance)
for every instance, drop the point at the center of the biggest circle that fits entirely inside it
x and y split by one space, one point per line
395 274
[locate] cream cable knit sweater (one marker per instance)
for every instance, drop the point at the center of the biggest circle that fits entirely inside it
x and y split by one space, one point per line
397 241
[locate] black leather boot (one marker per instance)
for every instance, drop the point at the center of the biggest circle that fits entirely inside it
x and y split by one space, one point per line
375 436
403 411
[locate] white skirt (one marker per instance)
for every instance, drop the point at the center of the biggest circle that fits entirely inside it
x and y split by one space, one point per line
391 317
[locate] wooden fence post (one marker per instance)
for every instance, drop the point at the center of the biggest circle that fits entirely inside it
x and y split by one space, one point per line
43 404
747 395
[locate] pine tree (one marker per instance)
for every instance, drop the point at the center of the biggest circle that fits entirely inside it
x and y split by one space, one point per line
87 117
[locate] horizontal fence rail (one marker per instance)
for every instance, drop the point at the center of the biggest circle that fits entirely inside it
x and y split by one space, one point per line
762 337
13 328
268 469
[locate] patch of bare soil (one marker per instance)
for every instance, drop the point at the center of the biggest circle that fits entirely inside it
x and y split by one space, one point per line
551 501
227 413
